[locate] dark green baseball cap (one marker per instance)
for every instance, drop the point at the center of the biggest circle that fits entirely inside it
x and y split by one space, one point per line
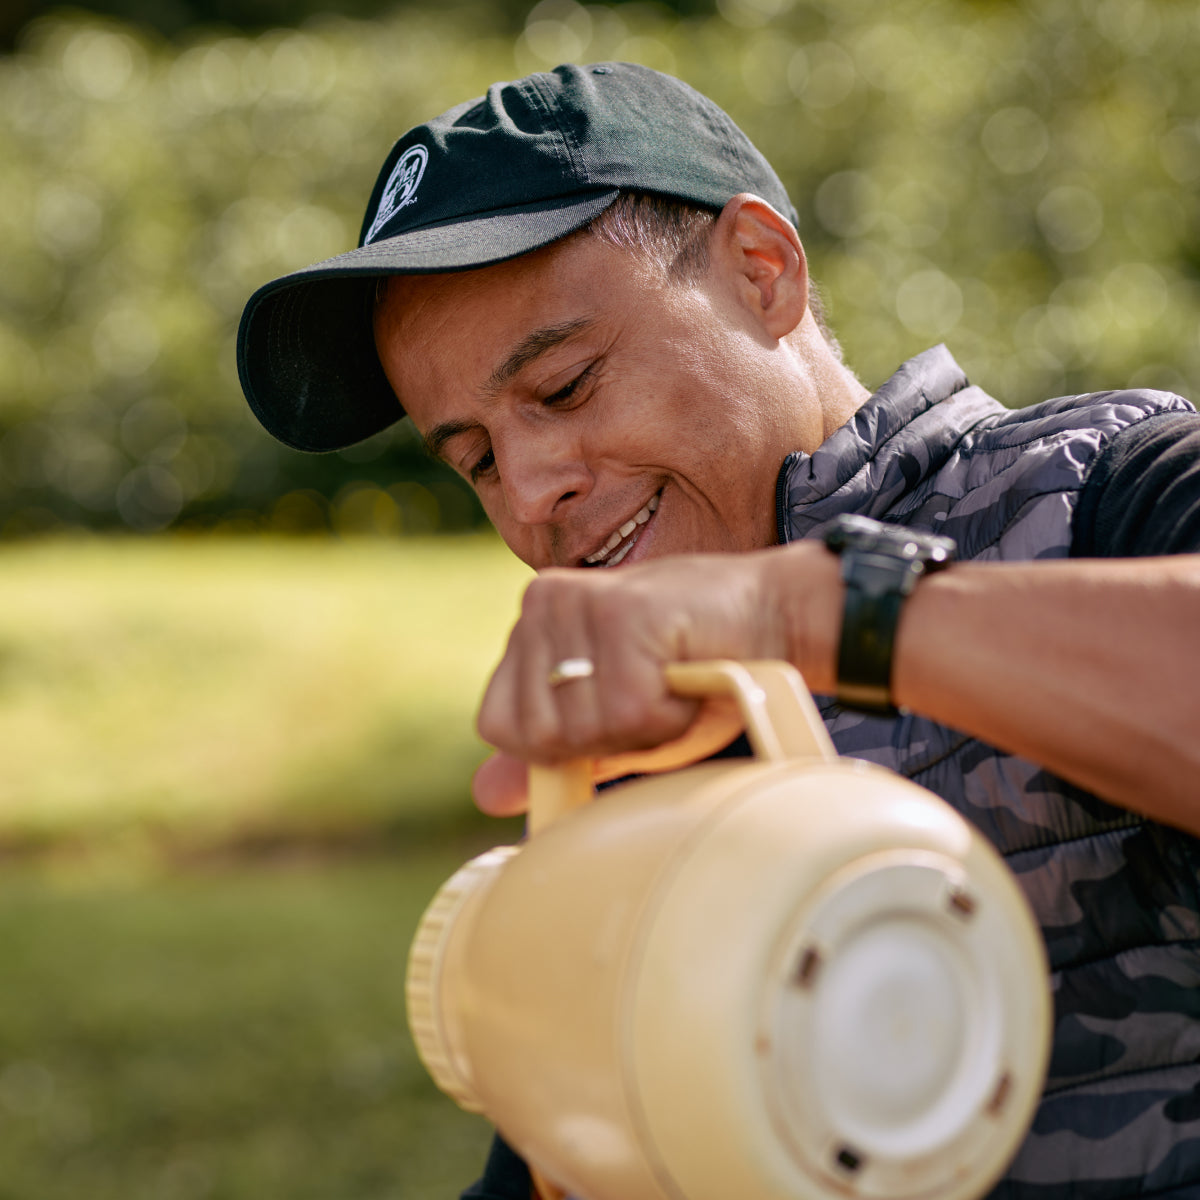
532 161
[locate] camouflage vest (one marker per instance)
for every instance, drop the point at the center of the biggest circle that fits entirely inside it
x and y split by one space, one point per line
1117 897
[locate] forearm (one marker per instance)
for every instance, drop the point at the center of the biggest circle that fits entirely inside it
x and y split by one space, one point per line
1087 667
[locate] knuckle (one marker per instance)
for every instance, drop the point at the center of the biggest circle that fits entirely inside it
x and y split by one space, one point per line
665 725
543 736
636 719
534 597
583 732
611 609
484 727
551 598
549 585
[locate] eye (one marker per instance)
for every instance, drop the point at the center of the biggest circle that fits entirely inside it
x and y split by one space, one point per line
485 464
566 393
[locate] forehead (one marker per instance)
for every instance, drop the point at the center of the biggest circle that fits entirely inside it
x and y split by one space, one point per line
409 300
441 334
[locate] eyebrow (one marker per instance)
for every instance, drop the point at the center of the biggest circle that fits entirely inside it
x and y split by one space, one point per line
434 442
529 348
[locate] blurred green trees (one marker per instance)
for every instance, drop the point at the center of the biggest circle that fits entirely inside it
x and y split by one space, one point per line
1013 178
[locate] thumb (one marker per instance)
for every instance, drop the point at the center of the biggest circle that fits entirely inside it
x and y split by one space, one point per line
501 786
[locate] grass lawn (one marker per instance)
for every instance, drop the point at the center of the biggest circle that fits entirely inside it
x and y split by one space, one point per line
236 1034
198 692
234 773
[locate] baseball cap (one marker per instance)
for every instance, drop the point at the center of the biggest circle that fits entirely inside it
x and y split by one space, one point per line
509 172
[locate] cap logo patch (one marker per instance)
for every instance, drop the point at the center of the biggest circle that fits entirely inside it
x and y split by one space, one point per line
401 187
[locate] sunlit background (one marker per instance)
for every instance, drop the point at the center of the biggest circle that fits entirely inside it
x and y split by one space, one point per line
236 682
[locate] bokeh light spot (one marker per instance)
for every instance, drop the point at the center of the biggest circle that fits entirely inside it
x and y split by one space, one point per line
67 218
929 303
1070 217
1015 139
153 430
149 498
753 14
847 203
100 65
832 75
126 342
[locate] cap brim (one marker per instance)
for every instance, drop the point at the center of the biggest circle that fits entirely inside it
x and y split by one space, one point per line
306 348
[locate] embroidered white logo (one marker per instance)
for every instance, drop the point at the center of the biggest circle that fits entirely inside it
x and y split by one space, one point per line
401 187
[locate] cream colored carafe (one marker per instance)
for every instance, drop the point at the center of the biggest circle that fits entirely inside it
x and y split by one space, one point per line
795 977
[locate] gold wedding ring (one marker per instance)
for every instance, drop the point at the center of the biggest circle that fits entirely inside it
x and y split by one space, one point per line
569 669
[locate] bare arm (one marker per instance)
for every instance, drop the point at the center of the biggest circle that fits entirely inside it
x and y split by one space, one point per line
1089 667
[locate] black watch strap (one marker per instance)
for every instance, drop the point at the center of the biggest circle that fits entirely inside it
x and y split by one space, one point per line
881 565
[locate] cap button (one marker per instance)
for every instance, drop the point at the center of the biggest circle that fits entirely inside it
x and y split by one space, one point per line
602 70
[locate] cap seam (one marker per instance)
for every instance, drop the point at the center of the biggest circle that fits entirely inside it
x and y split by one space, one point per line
732 136
574 156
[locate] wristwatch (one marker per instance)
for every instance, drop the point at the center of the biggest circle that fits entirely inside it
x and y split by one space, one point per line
881 565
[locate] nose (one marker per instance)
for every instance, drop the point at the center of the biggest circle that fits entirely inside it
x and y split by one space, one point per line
542 478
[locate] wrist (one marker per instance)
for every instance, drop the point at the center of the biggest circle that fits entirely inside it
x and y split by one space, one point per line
881 566
804 583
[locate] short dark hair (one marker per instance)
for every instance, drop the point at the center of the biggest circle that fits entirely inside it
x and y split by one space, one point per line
675 235
672 233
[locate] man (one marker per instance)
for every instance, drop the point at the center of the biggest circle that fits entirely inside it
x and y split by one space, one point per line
587 291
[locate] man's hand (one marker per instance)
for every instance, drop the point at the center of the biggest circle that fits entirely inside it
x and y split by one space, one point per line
1087 666
782 603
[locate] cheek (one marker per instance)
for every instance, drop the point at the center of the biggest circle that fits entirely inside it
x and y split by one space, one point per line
740 487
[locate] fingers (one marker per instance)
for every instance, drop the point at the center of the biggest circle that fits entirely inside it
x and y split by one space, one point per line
501 783
556 626
716 725
622 705
783 602
500 786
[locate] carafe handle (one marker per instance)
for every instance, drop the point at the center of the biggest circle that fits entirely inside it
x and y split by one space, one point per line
781 720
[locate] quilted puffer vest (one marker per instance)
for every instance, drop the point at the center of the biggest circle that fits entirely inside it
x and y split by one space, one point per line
1117 897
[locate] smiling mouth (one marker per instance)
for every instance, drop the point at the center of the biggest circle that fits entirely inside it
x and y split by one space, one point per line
622 540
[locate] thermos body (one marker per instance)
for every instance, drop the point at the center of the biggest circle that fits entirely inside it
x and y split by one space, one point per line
784 979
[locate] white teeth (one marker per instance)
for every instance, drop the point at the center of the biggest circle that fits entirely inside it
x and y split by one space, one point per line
642 515
620 554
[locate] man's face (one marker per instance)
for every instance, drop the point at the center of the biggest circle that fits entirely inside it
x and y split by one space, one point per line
603 414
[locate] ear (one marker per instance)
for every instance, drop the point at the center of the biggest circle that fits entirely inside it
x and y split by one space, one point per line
761 253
